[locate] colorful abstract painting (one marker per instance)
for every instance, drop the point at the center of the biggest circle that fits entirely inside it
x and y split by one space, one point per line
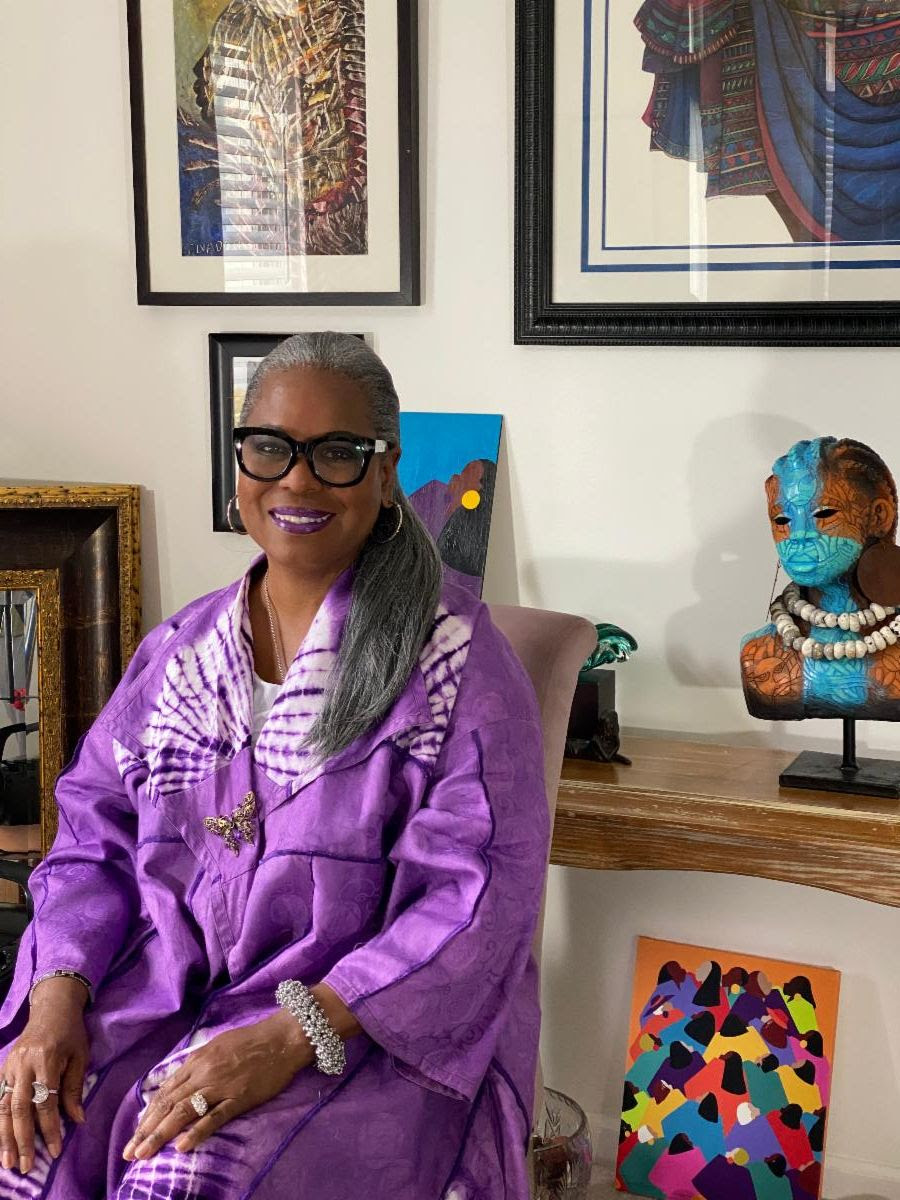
728 1076
271 113
448 468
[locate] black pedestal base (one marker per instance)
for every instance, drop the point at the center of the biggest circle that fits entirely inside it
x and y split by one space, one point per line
824 773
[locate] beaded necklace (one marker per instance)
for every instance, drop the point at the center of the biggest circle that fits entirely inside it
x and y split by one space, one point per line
792 604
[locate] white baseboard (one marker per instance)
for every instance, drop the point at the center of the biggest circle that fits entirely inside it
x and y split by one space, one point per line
850 1179
845 1178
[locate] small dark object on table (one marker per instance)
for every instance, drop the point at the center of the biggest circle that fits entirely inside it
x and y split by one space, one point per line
593 731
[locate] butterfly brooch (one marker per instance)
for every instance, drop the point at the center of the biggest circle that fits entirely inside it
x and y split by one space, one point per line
238 825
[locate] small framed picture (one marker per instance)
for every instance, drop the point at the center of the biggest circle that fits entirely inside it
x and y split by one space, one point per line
275 151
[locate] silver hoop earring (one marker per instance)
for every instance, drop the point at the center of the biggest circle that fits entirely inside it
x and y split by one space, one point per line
234 507
384 541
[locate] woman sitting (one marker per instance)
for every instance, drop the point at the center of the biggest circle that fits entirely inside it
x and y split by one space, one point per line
281 943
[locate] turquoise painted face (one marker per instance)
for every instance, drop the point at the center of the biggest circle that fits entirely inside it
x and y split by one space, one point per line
810 554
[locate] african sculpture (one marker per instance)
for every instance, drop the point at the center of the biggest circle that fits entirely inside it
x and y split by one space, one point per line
831 649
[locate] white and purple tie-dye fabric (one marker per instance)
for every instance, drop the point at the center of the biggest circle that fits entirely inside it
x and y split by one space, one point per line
202 716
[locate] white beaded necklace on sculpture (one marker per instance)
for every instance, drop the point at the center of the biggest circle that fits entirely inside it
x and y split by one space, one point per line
791 603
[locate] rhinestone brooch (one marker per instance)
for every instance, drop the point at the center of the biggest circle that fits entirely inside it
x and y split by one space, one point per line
238 825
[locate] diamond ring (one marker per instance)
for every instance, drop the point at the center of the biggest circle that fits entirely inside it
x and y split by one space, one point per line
40 1092
5 1087
200 1104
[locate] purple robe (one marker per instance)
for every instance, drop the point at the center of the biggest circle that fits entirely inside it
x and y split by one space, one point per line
406 872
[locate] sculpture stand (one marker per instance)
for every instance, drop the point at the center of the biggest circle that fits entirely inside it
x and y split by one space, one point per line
831 773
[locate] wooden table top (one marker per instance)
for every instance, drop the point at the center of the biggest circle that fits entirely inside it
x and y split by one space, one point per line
702 807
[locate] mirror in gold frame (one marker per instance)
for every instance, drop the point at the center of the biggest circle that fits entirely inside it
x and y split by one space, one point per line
31 749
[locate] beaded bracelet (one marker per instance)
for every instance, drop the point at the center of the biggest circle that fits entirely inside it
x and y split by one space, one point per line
299 1000
64 971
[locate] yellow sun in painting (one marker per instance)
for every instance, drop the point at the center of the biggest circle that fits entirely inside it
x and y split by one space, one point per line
471 499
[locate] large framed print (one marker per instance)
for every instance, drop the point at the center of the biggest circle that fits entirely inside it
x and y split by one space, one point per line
708 172
275 149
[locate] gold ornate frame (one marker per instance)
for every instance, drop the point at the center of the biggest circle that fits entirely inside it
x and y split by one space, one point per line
88 535
45 584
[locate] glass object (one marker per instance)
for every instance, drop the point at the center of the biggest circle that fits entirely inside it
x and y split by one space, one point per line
336 459
562 1149
20 782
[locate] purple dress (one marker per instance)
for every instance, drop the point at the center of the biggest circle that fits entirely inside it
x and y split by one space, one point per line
406 872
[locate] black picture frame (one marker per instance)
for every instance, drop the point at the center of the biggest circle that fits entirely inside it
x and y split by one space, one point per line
224 348
539 320
409 291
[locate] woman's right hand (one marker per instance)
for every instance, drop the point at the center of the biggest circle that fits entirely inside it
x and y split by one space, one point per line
53 1049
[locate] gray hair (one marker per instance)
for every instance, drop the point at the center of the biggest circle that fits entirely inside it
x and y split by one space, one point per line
396 583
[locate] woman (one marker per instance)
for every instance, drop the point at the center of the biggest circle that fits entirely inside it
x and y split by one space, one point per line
328 772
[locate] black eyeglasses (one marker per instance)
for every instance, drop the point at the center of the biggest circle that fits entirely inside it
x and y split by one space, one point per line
337 459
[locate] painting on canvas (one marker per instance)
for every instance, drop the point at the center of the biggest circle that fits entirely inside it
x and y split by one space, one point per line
728 1075
447 469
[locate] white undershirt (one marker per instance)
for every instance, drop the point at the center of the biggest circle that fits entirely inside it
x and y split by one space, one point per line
263 698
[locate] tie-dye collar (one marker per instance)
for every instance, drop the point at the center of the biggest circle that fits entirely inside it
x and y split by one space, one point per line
300 698
192 714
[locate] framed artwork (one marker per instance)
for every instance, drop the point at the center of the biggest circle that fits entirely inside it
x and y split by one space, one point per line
275 151
728 1075
699 171
76 549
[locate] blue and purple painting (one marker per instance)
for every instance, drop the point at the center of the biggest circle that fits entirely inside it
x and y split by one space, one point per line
447 469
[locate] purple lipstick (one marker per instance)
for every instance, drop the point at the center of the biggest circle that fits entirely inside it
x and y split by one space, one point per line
300 520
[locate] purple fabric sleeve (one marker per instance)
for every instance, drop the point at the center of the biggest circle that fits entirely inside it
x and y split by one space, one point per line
85 891
434 986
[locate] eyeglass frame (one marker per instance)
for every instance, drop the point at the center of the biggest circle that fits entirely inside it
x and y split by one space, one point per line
369 446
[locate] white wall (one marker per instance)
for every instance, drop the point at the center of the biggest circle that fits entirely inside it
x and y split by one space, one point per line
632 489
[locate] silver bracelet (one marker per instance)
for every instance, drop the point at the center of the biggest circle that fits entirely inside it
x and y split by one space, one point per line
64 971
299 1000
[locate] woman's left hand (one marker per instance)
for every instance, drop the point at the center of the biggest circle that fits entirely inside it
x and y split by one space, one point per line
236 1071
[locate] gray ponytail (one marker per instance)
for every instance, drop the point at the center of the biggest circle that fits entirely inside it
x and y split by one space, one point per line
396 583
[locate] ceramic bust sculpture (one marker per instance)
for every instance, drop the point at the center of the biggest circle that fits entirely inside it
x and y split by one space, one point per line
832 649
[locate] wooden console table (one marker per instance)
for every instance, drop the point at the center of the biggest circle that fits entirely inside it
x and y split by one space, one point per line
692 806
